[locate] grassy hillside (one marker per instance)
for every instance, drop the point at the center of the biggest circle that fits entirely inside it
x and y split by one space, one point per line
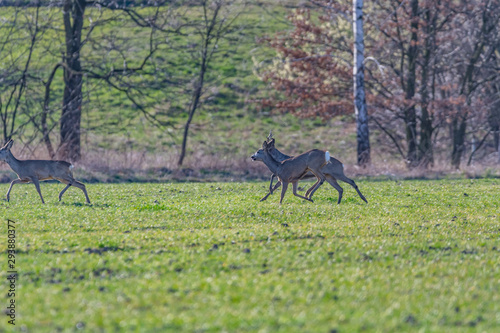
120 144
110 121
420 256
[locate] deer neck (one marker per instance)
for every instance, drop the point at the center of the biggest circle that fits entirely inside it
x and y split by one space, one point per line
270 162
279 156
13 162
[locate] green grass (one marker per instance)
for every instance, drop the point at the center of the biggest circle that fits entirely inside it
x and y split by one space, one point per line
230 123
109 118
209 257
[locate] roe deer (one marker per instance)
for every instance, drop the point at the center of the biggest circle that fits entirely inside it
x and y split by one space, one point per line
36 170
293 169
333 171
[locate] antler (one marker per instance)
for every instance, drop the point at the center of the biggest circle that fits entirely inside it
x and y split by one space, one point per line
270 136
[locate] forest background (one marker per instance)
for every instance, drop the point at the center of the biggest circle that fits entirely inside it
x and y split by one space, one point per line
150 91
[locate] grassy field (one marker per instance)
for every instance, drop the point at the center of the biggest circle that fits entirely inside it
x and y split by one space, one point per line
209 257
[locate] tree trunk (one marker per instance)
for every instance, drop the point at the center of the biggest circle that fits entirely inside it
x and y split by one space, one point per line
459 125
467 88
363 134
496 137
426 157
192 110
195 99
426 154
494 119
498 146
211 34
495 129
410 114
45 112
72 98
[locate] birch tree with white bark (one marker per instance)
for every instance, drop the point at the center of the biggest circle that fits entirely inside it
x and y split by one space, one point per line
363 133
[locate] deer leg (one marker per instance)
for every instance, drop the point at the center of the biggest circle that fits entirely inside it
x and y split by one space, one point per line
75 183
15 181
283 191
81 186
64 190
271 189
295 185
310 189
314 188
321 179
278 184
336 185
353 184
37 186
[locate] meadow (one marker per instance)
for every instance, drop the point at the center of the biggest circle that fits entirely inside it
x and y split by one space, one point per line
422 255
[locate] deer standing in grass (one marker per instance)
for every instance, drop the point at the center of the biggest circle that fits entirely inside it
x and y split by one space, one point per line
293 169
36 170
333 171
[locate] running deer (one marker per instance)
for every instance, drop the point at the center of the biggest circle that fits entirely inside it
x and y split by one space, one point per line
293 169
36 170
333 171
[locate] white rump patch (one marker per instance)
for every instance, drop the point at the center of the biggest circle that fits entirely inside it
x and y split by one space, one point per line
71 167
327 157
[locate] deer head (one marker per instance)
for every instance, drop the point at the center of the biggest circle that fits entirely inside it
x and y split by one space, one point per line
260 154
5 150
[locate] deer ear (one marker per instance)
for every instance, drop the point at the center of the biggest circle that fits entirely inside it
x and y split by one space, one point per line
264 145
271 143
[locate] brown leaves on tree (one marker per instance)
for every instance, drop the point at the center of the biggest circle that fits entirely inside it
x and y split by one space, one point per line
313 75
429 64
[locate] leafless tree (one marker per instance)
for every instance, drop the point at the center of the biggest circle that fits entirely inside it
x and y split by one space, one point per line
15 68
435 55
215 23
96 64
478 33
